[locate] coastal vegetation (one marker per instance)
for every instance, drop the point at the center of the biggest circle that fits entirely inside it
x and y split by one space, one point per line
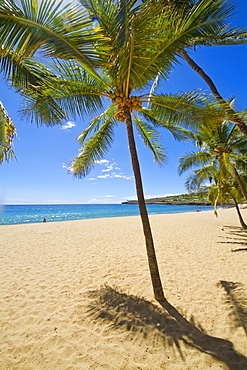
100 59
180 199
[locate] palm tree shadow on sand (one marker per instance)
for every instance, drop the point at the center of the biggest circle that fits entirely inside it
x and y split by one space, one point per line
236 302
238 236
165 323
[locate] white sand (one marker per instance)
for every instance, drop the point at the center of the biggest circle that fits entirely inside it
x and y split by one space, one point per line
57 313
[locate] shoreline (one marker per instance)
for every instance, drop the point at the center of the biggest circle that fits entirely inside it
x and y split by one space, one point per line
77 294
38 217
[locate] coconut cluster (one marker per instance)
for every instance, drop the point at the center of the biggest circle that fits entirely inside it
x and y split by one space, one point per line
131 103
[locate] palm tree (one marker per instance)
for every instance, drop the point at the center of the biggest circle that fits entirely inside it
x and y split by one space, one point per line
109 51
223 192
221 147
222 154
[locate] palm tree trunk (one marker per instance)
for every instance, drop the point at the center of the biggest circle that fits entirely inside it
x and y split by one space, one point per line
240 183
152 261
233 115
243 224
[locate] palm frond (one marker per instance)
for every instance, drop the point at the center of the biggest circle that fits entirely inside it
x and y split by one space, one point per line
183 25
20 72
197 178
7 133
224 36
93 150
193 159
211 23
109 115
241 164
151 139
71 91
178 132
222 155
189 109
42 108
65 32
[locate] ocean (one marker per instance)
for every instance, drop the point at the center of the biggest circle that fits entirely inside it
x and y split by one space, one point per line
23 214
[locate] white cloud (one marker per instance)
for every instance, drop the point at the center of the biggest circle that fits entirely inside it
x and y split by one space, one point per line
64 166
109 168
123 176
112 170
107 176
68 125
102 161
114 175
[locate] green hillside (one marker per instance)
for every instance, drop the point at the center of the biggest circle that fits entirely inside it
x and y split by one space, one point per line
191 198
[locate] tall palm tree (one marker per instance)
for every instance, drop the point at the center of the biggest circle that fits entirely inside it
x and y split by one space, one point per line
109 51
222 147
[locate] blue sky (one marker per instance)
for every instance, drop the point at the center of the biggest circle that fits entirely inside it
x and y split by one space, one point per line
40 173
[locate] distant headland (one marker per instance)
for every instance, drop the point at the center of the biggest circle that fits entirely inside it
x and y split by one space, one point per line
181 199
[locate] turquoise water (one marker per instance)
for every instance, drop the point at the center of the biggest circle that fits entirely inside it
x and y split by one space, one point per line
22 214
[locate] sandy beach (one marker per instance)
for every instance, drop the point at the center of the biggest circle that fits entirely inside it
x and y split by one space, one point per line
78 295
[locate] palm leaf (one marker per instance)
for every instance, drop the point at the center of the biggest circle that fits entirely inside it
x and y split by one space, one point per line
188 109
93 150
198 177
178 132
107 116
65 32
151 139
20 72
7 133
193 159
75 94
42 108
181 24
